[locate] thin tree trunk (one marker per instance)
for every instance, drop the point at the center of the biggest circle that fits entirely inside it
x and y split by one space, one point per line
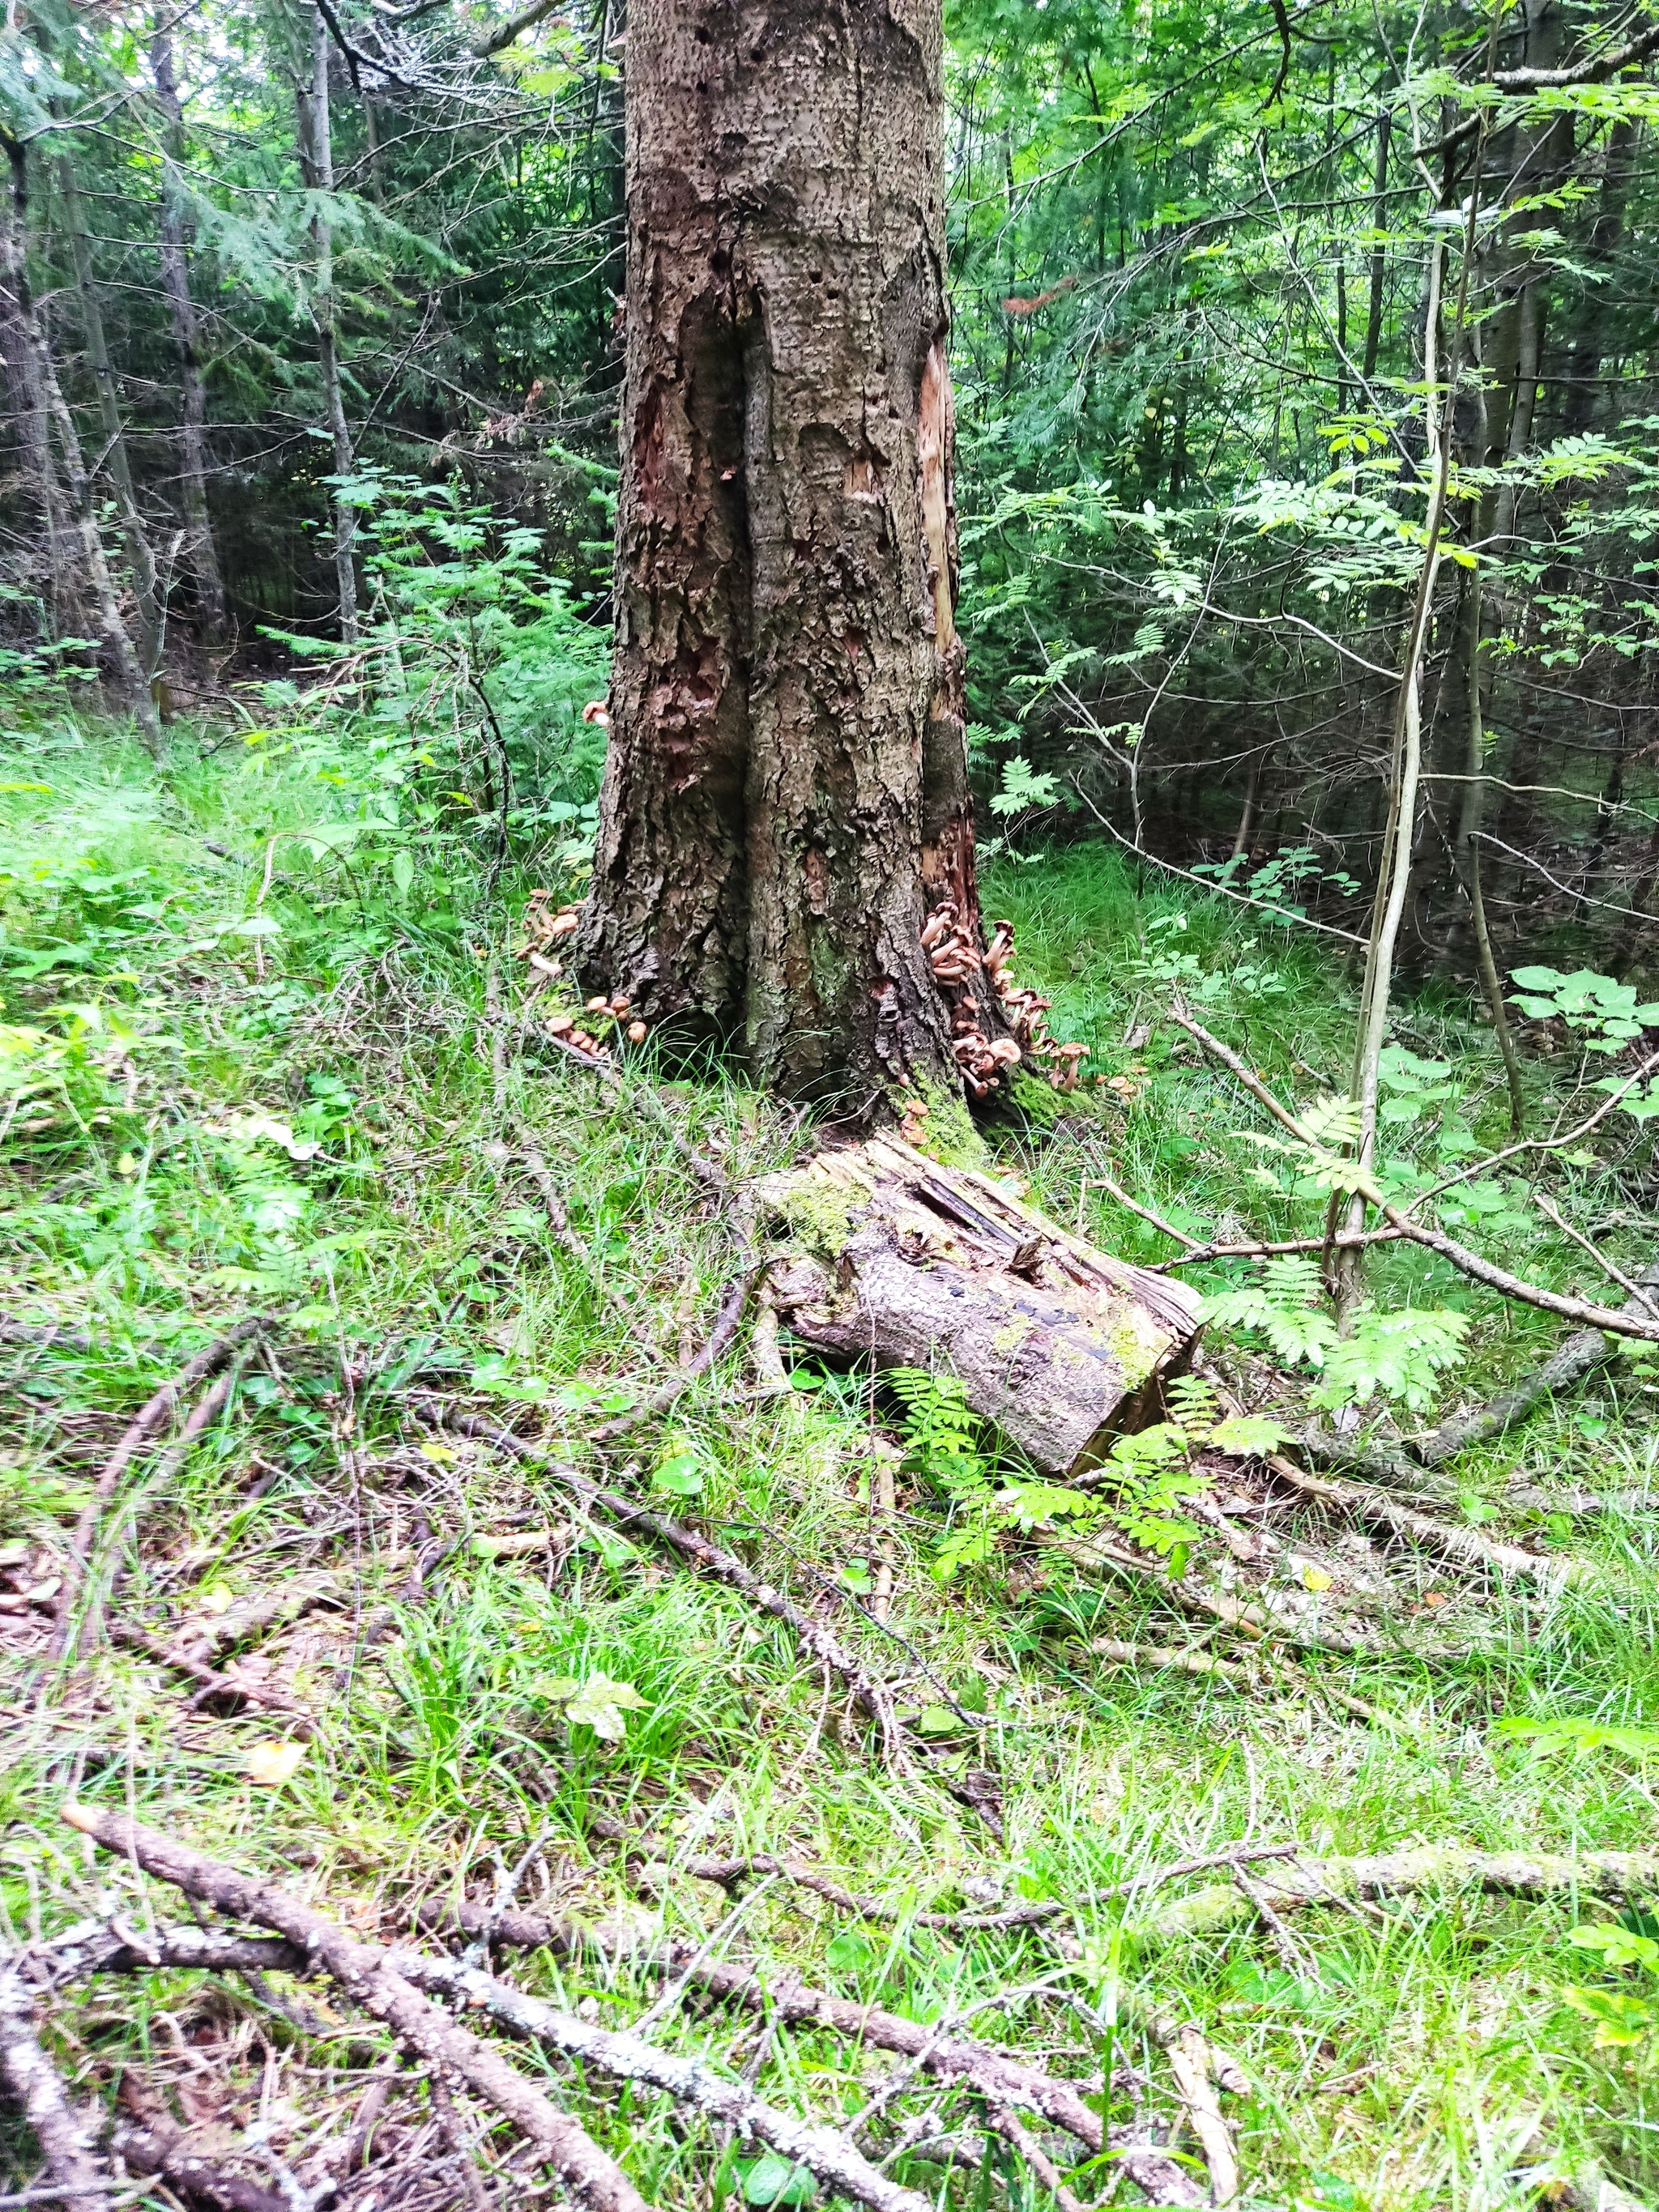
1467 854
18 337
130 680
140 558
199 549
1584 361
316 160
1379 277
786 790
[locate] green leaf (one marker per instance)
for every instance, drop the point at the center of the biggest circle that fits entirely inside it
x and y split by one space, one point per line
774 2180
1247 1435
938 1720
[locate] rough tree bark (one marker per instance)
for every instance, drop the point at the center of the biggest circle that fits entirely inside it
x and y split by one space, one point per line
786 793
200 553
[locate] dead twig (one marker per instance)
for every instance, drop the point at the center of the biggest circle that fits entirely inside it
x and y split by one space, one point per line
365 1973
996 2075
1007 2123
1477 1269
1306 1880
727 1323
711 1559
73 2165
822 2151
160 2146
1466 1545
143 1423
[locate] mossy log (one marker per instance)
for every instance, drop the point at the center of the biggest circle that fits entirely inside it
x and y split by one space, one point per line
905 1263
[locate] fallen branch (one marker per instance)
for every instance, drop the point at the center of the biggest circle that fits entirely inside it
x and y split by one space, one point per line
1185 1660
727 1872
364 1972
209 1680
74 2167
1466 1545
979 2067
711 1559
143 1423
1570 1365
1479 1270
1408 1873
1192 2065
162 2147
1003 2121
823 2151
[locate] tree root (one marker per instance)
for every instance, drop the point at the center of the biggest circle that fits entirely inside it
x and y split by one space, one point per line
365 1973
1309 1880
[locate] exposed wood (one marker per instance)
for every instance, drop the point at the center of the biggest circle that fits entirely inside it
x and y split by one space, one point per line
909 1264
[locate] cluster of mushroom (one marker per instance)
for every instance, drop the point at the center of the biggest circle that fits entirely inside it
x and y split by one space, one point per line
951 955
543 930
1027 1013
951 951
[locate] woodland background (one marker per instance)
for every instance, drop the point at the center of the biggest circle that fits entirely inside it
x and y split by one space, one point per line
1190 268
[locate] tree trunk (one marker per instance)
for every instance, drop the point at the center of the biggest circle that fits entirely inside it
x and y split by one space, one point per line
786 790
140 558
130 680
19 340
317 163
200 553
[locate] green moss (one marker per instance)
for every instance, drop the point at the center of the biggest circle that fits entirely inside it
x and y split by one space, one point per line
820 1217
1040 1105
951 1137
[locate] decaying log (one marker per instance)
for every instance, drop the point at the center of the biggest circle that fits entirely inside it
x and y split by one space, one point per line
896 1259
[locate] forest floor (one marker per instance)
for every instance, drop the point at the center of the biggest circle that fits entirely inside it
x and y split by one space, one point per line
240 1085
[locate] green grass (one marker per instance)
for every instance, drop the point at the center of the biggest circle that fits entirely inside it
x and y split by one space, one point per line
1424 2057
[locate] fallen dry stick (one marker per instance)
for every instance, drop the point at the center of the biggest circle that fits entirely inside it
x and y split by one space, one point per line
1007 2123
162 2146
143 1423
1465 1546
363 1970
1192 2064
727 1871
1409 1872
981 2067
814 1638
825 2151
73 2166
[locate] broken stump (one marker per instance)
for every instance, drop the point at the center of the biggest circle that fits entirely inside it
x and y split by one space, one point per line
908 1264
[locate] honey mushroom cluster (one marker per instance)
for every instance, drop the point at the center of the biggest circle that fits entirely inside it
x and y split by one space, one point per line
543 929
951 954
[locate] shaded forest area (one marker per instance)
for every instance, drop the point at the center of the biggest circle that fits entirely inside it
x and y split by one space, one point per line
1223 293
